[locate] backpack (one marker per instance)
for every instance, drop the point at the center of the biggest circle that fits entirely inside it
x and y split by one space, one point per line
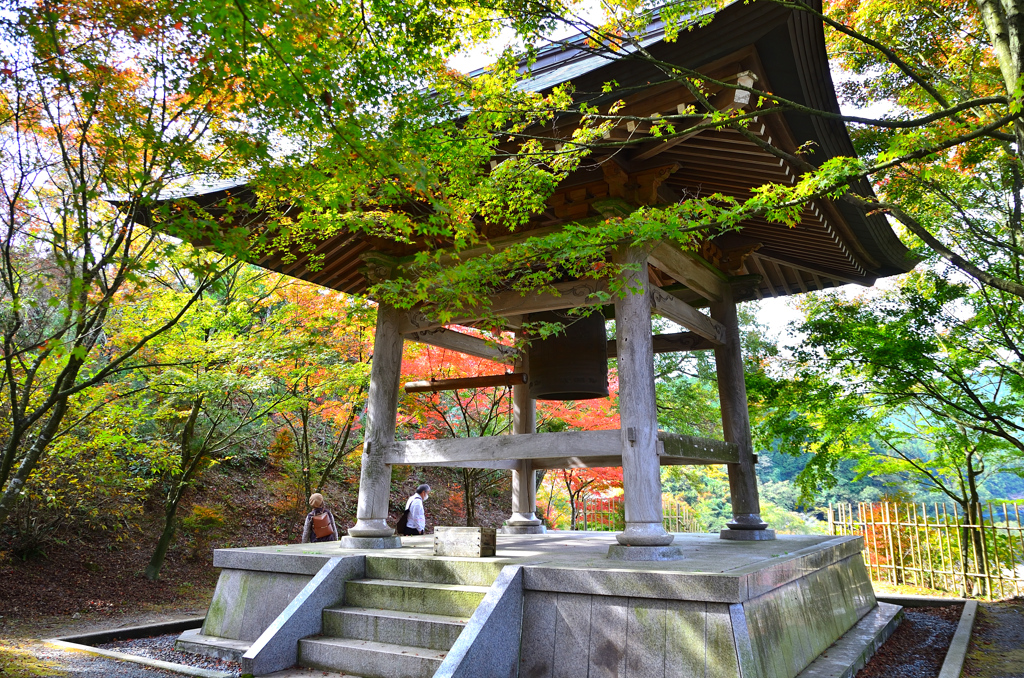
322 525
402 526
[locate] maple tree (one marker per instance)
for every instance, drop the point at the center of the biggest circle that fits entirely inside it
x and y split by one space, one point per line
212 390
582 483
460 413
922 380
579 483
80 120
322 364
142 99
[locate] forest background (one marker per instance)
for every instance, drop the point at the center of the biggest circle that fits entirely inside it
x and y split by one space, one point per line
161 399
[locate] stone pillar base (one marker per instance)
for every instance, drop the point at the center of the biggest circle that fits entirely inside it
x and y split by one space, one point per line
747 535
394 542
523 519
523 529
620 552
371 527
644 534
746 521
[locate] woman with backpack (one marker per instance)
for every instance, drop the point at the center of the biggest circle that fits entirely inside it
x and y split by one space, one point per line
319 522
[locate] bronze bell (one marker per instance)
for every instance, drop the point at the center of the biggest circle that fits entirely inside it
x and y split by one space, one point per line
571 365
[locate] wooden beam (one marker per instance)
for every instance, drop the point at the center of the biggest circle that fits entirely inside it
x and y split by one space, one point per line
764 274
443 337
782 276
688 270
667 306
572 294
504 464
569 449
669 343
501 448
507 380
614 461
606 462
698 450
847 278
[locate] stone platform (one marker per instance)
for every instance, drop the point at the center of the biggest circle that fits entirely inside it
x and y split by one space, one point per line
547 605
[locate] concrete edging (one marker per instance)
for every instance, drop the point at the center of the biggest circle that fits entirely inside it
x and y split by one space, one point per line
133 632
135 659
957 653
852 651
919 601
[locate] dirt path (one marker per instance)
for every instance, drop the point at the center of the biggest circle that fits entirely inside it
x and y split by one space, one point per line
997 644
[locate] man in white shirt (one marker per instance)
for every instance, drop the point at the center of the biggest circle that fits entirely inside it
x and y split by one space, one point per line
416 523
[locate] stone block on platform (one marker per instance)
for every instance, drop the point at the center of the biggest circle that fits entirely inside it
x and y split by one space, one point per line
465 542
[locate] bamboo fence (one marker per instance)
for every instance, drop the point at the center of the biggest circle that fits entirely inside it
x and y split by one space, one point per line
937 546
606 514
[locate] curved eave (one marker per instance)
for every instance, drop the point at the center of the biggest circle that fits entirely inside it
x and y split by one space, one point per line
834 244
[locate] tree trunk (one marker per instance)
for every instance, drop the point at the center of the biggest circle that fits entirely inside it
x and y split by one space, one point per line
166 537
467 493
307 458
573 514
339 452
977 532
188 466
12 494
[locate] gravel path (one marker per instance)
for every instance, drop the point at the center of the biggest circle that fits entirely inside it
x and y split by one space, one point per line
162 647
80 665
997 643
918 646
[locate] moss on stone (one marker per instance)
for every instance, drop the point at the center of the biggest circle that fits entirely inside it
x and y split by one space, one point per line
19 661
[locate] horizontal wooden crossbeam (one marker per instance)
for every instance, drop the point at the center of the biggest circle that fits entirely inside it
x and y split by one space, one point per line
500 448
678 311
465 343
669 343
568 449
572 294
697 450
686 269
481 348
507 380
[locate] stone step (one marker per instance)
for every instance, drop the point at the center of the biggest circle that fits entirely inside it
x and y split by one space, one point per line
418 629
474 572
453 600
368 659
212 646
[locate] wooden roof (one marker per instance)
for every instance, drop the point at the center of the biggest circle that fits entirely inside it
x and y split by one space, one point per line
783 51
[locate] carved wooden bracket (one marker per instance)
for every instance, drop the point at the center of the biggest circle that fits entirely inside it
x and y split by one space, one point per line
379 266
638 188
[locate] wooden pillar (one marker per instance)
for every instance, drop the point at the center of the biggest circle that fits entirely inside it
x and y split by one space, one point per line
381 415
524 485
746 523
641 468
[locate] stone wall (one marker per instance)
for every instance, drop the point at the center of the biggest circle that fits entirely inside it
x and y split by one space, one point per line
245 602
615 637
773 635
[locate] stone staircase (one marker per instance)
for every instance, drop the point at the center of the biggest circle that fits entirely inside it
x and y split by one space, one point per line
401 620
